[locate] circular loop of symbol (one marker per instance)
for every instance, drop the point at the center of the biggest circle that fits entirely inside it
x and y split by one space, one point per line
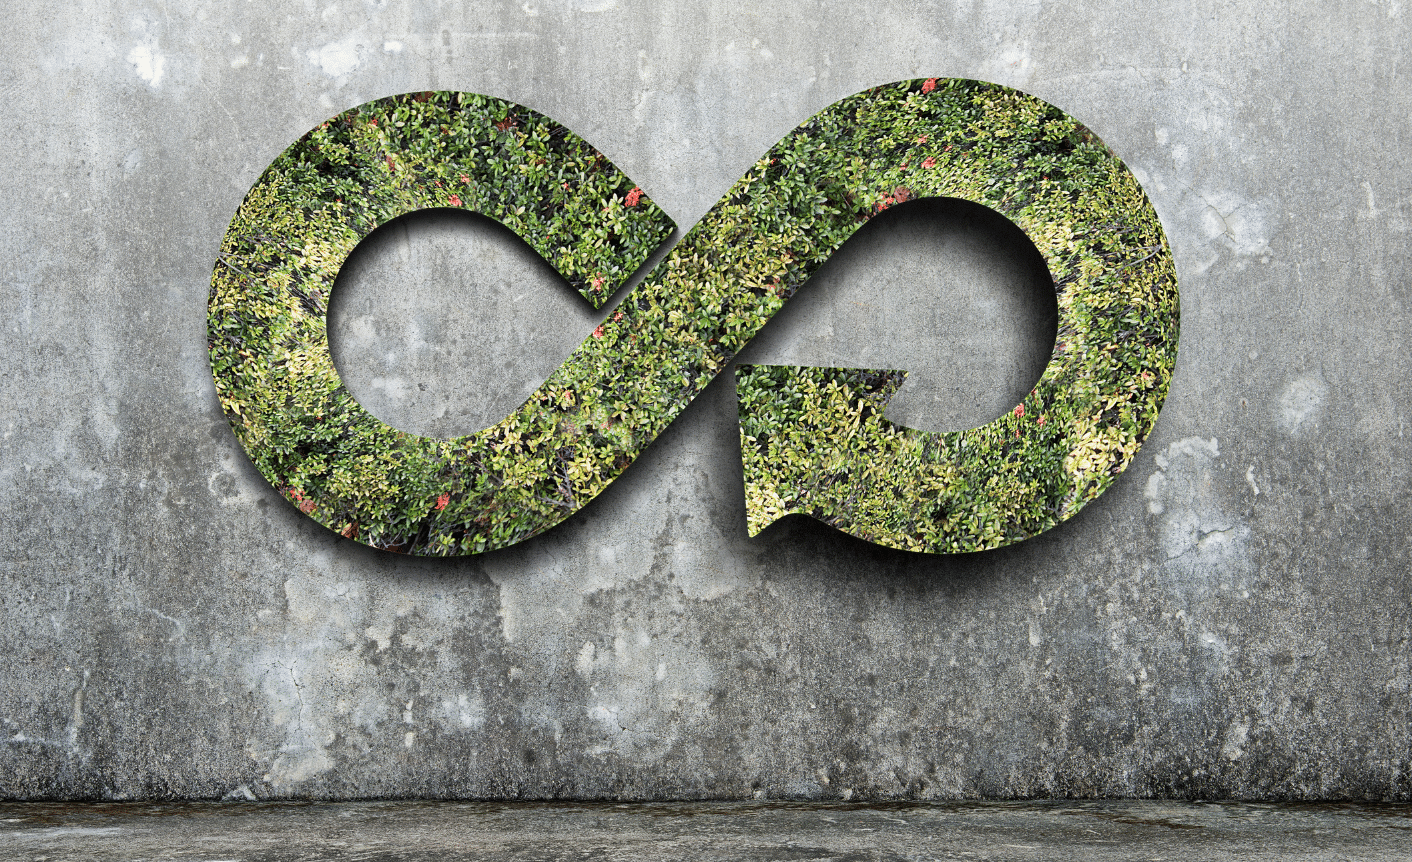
813 440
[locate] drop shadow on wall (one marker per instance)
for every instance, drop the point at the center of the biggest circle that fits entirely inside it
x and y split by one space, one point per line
442 322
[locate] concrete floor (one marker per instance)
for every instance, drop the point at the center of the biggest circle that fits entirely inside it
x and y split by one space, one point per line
407 831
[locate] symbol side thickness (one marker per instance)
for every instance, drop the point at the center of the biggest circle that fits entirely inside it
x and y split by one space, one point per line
813 439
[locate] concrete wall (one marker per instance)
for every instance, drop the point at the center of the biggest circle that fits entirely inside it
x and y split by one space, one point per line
1232 618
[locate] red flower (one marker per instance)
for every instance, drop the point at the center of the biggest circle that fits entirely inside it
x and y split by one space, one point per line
929 162
1039 421
598 333
922 139
902 193
928 85
442 501
1020 411
372 122
465 179
455 201
633 197
304 503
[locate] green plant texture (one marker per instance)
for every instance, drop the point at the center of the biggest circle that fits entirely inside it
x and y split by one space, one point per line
813 440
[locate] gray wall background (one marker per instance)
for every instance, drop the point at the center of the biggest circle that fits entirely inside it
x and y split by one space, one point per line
1231 619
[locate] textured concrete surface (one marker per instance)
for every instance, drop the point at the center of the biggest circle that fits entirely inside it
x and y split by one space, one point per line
711 832
1231 619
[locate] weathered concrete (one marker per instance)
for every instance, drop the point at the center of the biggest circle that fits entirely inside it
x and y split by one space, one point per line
1232 619
711 832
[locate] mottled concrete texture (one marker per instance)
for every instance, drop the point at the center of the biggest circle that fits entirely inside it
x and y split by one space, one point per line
703 832
1232 619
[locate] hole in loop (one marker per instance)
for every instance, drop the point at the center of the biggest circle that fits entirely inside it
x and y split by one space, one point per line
442 322
951 291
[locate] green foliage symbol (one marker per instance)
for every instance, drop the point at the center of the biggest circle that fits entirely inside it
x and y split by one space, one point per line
813 440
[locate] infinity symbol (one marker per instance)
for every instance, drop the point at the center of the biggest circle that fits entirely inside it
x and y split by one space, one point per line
813 439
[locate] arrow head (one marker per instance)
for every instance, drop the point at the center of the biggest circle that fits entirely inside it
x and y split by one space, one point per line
807 437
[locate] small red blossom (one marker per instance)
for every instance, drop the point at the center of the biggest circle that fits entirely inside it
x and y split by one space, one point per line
1020 411
391 165
455 201
929 162
633 197
902 193
442 501
906 165
598 333
372 122
1039 421
597 283
465 179
928 85
304 503
436 183
922 139
617 316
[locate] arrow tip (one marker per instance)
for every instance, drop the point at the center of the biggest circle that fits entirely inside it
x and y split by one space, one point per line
795 426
